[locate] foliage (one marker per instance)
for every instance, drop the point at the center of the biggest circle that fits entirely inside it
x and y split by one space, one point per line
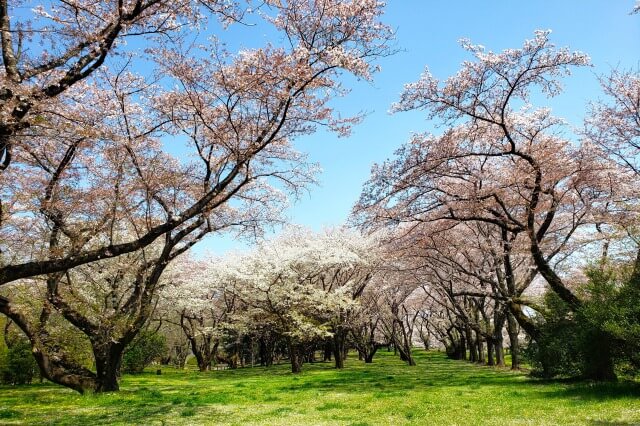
613 314
557 351
598 340
302 286
18 366
148 346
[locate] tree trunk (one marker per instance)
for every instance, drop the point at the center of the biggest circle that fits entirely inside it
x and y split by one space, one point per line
368 358
490 352
265 352
426 340
53 362
473 348
480 345
514 345
599 359
339 347
295 357
328 351
108 358
202 352
62 373
405 353
499 319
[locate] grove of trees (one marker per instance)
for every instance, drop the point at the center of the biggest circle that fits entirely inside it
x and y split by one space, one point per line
509 229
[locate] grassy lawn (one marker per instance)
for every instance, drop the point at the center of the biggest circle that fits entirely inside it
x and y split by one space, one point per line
437 391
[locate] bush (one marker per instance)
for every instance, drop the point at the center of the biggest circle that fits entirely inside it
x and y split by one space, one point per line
18 365
594 342
146 348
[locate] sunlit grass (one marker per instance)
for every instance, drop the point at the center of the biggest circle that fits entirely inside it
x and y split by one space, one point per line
387 392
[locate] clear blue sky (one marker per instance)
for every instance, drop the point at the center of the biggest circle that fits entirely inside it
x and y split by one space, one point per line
428 34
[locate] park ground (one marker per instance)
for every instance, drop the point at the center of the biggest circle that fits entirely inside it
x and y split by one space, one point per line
438 391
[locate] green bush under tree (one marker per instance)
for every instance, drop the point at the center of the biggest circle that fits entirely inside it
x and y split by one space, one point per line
149 346
601 339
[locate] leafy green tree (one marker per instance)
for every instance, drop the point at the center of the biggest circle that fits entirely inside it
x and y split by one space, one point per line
146 348
601 339
18 366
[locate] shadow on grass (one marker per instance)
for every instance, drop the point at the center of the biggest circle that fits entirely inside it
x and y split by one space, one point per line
593 391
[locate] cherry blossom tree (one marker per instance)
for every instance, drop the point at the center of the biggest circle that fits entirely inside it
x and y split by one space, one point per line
195 300
395 288
613 125
501 162
236 114
350 277
56 45
454 275
365 328
94 177
305 285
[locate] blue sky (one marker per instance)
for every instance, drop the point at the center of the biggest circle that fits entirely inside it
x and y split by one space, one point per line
427 35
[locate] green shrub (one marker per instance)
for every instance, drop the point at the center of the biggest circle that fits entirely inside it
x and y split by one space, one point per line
145 349
599 339
18 365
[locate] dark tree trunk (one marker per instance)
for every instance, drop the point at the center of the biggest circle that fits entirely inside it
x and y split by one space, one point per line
328 351
181 356
54 363
265 351
480 344
338 348
491 360
599 360
368 358
473 348
108 358
498 341
405 353
311 357
203 352
499 349
365 343
463 348
456 348
62 373
295 357
426 340
514 345
601 370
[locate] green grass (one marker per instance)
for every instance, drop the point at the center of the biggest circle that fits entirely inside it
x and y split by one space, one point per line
387 392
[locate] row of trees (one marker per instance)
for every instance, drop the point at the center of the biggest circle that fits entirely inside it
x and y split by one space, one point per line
300 290
293 296
508 200
290 297
476 225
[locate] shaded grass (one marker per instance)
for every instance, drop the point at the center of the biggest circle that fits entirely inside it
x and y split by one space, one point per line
436 391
